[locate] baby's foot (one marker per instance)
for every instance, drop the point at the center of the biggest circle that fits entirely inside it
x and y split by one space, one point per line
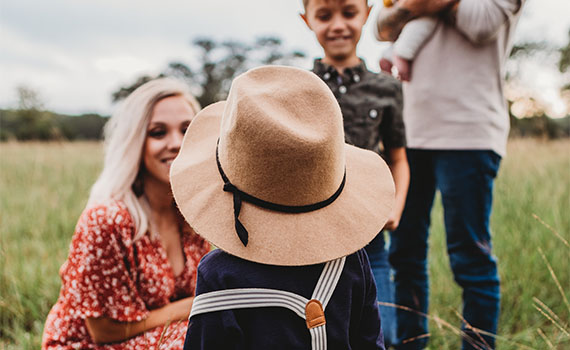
386 65
404 68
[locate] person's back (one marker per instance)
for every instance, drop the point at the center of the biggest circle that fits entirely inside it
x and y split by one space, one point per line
279 328
462 68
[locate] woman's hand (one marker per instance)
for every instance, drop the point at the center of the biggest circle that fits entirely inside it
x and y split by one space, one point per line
107 330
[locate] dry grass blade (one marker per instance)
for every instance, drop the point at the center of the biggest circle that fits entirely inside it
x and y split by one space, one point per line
551 229
163 333
551 320
444 324
551 313
477 331
489 334
543 336
555 279
168 336
405 341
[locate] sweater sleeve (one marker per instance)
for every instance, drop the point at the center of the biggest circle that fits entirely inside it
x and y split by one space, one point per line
413 36
480 20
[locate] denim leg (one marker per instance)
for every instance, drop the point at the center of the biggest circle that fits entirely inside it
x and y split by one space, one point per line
381 270
408 252
465 179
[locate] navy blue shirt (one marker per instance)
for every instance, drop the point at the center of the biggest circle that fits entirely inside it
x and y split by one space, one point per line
351 315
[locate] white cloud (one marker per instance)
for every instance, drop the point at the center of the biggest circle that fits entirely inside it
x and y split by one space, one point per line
76 53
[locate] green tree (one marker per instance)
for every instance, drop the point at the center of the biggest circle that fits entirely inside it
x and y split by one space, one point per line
125 91
564 63
536 122
28 98
32 122
218 63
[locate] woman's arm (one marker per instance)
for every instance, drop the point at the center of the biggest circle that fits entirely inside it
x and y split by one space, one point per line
106 330
398 163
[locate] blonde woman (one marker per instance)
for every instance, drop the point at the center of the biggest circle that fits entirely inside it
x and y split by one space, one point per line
129 279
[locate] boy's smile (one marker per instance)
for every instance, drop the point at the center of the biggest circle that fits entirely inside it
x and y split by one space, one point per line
337 24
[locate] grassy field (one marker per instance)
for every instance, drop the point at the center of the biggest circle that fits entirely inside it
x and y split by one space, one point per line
44 187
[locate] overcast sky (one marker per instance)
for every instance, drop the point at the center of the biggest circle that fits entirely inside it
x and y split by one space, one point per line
75 53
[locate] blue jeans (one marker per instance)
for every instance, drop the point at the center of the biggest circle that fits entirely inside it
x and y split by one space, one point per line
465 180
378 256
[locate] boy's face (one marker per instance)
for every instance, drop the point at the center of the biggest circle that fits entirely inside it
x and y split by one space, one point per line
337 25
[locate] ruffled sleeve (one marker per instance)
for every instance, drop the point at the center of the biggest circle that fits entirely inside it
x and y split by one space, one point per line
99 273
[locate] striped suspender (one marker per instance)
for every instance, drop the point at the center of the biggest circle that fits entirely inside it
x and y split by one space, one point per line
312 311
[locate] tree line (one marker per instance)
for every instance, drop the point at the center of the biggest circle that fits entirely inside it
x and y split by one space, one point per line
209 77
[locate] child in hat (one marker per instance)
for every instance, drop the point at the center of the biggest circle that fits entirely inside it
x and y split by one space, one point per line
267 177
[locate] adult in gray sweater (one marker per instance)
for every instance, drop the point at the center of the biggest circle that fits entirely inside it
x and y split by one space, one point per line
456 125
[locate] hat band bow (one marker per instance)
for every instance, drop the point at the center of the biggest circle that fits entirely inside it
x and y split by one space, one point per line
240 196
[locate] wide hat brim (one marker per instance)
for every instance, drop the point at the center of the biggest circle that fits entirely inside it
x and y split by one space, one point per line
339 229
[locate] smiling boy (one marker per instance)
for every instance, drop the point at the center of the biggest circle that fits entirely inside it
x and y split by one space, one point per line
371 105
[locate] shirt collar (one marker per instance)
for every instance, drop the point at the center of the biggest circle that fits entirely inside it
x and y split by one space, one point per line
320 68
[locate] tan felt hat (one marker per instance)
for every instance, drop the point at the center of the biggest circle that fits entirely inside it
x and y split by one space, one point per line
266 175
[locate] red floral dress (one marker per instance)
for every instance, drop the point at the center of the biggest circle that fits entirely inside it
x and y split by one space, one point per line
108 275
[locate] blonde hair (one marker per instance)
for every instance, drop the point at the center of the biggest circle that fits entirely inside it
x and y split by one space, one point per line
125 135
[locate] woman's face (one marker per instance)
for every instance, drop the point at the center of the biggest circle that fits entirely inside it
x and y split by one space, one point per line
168 123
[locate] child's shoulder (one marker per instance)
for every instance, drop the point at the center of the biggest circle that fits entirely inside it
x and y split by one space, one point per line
216 258
217 264
219 270
218 261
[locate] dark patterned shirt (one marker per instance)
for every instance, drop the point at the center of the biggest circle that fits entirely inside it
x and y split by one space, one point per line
371 105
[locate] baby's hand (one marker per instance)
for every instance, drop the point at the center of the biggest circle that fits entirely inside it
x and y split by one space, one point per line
404 68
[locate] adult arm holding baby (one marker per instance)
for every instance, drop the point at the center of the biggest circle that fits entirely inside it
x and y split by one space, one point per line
392 20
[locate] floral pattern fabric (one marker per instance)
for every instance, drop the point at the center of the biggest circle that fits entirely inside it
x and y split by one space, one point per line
108 275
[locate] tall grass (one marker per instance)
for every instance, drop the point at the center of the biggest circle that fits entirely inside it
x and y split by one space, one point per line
534 179
44 187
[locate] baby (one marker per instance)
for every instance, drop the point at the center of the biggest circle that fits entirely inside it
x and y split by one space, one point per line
403 51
